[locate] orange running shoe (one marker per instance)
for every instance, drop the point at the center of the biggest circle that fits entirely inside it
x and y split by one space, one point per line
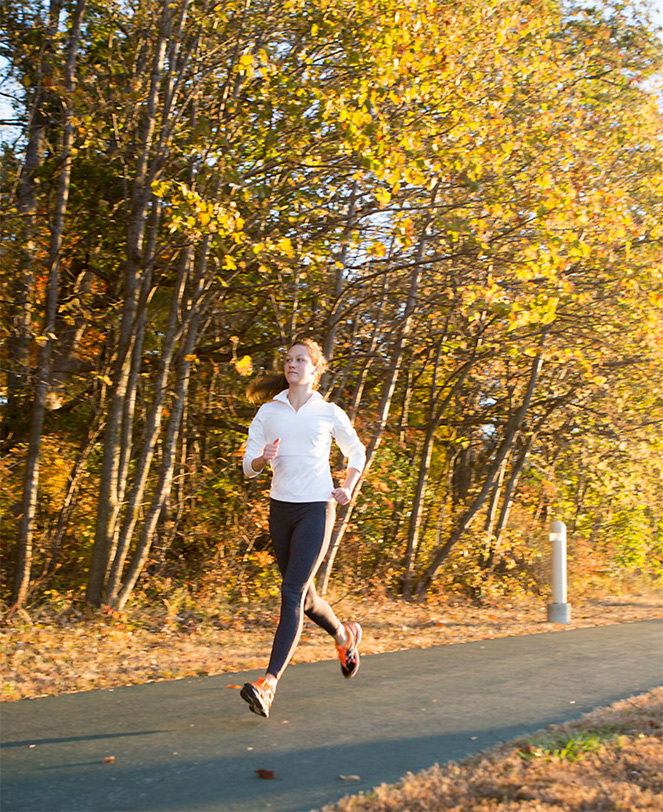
259 695
349 654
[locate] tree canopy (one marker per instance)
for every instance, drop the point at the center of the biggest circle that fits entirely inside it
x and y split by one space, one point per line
461 201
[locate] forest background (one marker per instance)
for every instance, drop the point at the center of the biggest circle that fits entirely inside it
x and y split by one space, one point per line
462 201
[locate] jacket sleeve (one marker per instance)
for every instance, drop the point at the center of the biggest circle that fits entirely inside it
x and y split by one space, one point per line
254 445
348 441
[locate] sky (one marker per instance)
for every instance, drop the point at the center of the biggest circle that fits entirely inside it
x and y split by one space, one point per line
657 8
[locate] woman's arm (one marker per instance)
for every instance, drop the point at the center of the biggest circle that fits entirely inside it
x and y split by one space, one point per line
268 454
352 448
348 441
255 446
343 495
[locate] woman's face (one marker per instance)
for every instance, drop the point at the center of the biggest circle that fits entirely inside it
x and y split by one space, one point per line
299 367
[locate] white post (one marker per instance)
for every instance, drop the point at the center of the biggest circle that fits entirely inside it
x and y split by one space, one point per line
559 611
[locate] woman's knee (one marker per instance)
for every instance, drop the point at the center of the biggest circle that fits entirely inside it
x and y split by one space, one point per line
292 595
311 599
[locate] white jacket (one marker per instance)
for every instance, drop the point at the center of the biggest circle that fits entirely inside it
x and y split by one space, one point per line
301 466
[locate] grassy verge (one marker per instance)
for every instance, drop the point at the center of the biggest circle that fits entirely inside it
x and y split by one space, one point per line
608 761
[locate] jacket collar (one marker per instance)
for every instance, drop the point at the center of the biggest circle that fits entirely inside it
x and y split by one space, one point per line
282 397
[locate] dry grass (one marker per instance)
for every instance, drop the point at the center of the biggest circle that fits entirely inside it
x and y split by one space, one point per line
609 761
52 653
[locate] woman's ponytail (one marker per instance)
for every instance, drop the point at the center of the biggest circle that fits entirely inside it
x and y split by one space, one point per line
266 387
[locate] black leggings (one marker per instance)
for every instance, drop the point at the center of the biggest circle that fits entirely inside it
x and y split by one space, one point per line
300 535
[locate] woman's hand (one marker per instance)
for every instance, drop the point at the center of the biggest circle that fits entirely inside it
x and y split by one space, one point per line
271 450
268 454
342 495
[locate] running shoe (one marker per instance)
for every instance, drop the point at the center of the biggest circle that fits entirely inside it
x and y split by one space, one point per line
259 695
349 655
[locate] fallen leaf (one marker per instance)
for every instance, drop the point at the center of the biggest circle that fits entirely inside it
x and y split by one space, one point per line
108 760
233 686
266 774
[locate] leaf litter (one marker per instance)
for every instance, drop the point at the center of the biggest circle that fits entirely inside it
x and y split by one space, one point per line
48 653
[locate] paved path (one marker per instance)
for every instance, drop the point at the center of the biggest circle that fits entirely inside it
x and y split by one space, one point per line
192 745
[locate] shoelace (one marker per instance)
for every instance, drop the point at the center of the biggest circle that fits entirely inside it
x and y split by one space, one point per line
351 650
265 687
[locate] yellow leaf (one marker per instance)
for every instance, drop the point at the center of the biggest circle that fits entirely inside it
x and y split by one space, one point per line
159 188
383 196
285 246
244 365
357 118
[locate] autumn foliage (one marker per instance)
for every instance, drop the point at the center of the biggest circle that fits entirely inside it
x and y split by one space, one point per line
461 201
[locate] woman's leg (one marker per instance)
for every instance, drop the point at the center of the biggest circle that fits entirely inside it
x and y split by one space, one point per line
316 608
300 536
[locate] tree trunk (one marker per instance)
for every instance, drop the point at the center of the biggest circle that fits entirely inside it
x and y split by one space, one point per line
341 269
150 435
510 490
437 411
117 444
18 340
489 528
167 467
385 404
369 357
467 518
31 482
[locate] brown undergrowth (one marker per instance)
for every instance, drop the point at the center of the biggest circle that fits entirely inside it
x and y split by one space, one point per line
608 761
52 652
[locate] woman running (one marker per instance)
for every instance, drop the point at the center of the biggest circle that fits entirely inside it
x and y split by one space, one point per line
293 432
